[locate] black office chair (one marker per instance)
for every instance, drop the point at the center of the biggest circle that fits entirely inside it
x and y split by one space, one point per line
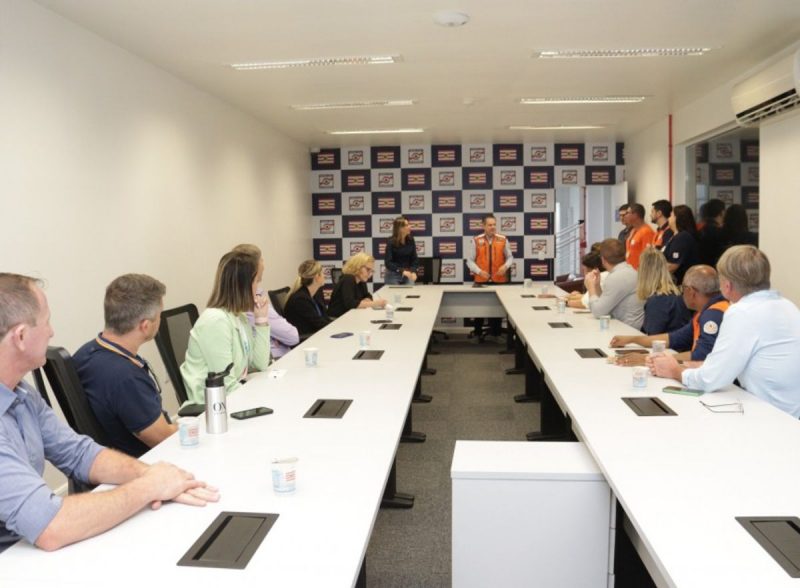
38 378
71 397
336 275
430 270
172 341
278 299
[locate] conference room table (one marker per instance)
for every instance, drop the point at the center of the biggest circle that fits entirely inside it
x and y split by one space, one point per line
681 479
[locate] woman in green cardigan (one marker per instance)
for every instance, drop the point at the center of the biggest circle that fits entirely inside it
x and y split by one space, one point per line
222 334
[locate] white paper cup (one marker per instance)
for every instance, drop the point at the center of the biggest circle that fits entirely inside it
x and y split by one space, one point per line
189 431
528 283
398 298
365 338
389 311
284 475
640 374
545 290
562 305
605 322
659 348
312 356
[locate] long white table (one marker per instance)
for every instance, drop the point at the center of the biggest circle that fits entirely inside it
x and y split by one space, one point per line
681 480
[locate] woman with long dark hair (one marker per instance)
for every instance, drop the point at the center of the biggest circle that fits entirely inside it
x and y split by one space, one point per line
681 250
401 259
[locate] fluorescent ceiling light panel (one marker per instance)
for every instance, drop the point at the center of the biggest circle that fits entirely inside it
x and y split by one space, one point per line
375 131
613 53
584 100
319 61
362 104
554 127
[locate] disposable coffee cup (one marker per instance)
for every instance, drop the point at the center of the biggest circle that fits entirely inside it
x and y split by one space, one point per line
528 283
284 475
659 348
605 321
189 431
389 311
545 290
640 374
398 298
365 338
312 356
562 305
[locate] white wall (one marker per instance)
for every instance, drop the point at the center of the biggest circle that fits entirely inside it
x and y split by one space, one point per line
780 190
110 165
647 164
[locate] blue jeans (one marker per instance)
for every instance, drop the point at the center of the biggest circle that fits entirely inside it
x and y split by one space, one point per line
393 278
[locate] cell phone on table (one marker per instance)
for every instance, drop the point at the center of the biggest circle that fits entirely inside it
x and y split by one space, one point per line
341 335
251 413
631 351
380 321
682 390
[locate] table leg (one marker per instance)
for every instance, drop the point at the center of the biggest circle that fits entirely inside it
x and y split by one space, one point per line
409 435
534 381
391 497
418 395
520 352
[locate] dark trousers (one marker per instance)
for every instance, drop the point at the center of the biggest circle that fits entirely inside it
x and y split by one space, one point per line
495 326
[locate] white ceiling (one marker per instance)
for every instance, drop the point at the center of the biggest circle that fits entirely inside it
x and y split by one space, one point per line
488 62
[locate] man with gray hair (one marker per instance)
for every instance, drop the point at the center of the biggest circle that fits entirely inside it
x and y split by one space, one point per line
119 384
30 431
696 339
617 296
759 342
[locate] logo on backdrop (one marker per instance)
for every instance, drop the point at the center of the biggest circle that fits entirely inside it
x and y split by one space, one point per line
325 181
326 270
416 202
539 200
355 157
416 156
327 226
385 180
385 226
538 247
477 201
357 247
355 203
538 154
600 153
508 177
508 224
448 270
569 176
447 224
724 151
447 178
326 158
477 154
420 247
418 225
326 204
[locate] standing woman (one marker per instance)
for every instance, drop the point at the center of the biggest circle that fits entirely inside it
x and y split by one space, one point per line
664 309
351 290
401 254
305 308
681 250
222 334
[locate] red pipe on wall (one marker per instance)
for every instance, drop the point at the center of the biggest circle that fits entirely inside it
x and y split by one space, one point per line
669 140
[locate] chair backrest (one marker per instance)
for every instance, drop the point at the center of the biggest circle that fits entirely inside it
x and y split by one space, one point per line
336 275
430 270
278 299
38 378
172 341
71 397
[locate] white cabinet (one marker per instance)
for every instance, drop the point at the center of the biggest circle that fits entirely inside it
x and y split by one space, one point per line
530 514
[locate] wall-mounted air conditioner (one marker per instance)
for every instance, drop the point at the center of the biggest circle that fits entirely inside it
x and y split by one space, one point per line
771 91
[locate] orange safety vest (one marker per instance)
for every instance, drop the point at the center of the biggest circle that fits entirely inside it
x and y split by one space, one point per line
658 241
637 241
721 305
489 257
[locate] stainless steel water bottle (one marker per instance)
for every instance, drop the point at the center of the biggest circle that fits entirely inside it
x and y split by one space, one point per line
216 410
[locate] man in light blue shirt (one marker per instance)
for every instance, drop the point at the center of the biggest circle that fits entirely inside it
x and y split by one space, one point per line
30 433
758 342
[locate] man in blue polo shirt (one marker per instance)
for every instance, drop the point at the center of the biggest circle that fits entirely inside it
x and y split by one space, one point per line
30 432
120 387
695 339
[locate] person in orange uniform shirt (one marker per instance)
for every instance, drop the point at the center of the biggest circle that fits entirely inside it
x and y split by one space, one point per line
641 235
489 259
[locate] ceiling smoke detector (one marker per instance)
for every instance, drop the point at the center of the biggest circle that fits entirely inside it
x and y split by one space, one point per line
451 18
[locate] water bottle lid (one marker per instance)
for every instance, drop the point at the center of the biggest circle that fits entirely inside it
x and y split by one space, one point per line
217 380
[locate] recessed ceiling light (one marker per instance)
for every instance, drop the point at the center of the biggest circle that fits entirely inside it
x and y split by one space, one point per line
554 127
612 53
320 61
361 104
584 100
376 131
451 18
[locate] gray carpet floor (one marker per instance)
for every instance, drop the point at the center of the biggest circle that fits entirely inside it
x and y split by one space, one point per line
472 399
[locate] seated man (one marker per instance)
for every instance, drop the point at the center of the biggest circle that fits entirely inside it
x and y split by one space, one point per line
695 339
617 297
119 385
759 342
30 430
